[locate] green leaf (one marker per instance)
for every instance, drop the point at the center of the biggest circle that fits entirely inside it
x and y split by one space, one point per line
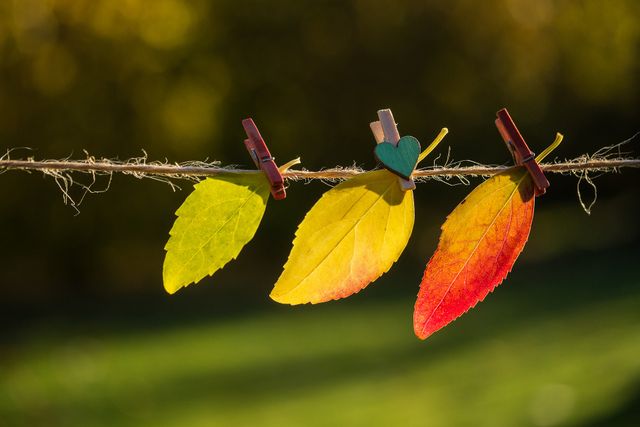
214 223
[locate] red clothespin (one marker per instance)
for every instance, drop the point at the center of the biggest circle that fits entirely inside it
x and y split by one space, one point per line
263 159
520 151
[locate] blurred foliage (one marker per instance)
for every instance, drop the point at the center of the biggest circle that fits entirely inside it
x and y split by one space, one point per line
176 76
563 354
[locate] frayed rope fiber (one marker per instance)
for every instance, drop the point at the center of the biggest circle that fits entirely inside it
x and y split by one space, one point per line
140 169
606 159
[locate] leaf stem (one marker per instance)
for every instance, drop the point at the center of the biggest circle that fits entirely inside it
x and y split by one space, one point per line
550 148
433 145
289 164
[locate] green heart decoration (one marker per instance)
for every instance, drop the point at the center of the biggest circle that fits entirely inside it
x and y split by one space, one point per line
400 159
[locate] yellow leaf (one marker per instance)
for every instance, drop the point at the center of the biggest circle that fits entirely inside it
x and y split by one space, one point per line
350 237
214 223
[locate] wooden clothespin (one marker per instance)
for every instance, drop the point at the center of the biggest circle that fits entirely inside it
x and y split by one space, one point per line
386 130
263 159
520 151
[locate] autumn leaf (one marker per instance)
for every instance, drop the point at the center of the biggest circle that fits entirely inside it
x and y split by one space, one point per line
350 237
480 241
214 223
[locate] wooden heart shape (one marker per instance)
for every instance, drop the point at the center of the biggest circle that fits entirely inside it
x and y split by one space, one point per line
400 159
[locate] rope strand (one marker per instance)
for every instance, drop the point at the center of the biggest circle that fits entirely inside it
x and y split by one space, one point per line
141 168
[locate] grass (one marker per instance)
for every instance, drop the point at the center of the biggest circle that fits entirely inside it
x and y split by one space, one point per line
557 347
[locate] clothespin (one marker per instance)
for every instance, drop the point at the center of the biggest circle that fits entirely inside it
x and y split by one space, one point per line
520 151
385 129
263 159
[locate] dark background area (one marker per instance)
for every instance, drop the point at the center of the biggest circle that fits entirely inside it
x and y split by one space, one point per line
176 77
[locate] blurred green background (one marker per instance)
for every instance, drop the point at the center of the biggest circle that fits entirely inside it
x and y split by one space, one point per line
88 335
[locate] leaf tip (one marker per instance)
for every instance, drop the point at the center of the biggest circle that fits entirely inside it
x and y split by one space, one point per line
279 299
421 329
171 286
284 298
421 336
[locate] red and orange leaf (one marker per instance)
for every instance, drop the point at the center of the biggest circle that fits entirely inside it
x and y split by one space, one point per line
480 241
